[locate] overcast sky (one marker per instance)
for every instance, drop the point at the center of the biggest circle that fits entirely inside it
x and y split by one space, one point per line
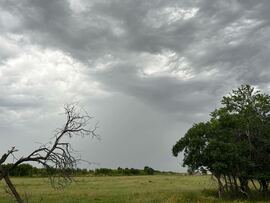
145 69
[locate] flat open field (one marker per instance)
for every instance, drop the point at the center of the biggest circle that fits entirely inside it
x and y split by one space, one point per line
155 189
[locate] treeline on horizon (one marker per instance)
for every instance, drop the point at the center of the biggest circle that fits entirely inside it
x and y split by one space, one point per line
27 170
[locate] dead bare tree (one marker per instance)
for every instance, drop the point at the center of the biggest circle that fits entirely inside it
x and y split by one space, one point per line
56 156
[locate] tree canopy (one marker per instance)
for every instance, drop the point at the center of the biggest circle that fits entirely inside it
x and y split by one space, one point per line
234 145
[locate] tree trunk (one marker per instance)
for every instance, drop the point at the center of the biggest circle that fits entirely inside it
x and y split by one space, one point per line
13 189
226 183
254 185
244 188
264 185
244 184
220 186
231 184
235 185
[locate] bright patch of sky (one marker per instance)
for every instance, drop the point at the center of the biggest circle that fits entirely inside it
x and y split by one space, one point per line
167 63
170 15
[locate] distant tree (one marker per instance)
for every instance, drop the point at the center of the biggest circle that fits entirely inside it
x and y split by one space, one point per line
103 171
134 171
126 171
57 156
20 170
234 145
148 170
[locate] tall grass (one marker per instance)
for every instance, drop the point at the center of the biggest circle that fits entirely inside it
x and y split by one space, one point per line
134 189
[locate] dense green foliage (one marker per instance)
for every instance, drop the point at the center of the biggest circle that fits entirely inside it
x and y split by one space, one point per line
234 145
27 170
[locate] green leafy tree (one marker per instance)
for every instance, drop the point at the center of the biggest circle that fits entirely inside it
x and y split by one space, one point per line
234 145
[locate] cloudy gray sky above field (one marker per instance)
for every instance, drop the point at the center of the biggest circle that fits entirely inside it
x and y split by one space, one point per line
146 70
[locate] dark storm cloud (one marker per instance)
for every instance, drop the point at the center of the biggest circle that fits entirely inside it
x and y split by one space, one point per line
222 32
174 58
169 94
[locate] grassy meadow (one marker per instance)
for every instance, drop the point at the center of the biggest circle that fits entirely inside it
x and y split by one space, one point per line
118 189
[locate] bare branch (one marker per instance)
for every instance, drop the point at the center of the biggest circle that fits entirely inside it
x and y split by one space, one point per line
57 156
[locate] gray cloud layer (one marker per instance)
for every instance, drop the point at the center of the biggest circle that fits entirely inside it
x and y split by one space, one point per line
146 69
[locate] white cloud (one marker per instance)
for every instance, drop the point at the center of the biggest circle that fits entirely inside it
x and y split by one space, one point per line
170 15
166 63
9 46
38 79
78 6
8 21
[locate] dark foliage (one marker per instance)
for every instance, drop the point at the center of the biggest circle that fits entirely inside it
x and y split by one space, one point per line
234 145
27 170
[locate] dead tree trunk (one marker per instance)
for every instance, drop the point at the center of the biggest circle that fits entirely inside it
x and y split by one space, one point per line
54 155
13 189
4 175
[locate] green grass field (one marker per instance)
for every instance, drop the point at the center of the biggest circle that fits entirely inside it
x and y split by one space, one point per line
155 189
